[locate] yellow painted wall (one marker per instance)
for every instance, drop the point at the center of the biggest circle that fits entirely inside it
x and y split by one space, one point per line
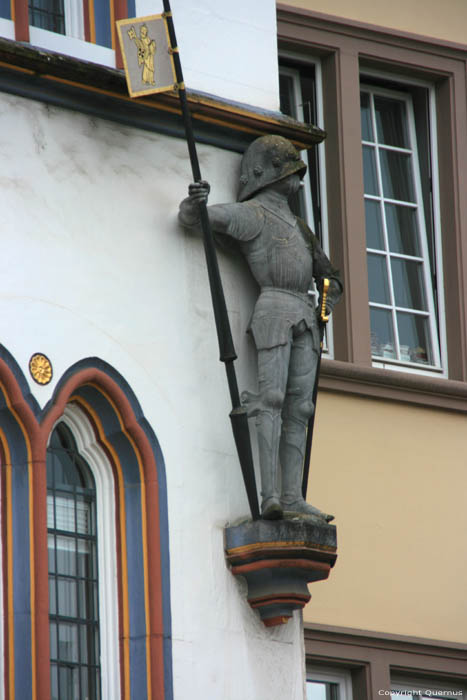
395 477
443 20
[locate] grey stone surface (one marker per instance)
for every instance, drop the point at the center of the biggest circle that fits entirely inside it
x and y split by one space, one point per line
285 531
284 257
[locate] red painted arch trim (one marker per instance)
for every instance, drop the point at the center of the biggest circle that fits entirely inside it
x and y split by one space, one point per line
155 627
20 15
37 435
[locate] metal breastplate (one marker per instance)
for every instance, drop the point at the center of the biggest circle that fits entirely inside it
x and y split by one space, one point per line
279 256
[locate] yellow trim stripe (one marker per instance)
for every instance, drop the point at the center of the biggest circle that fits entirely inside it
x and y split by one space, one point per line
92 22
126 612
112 22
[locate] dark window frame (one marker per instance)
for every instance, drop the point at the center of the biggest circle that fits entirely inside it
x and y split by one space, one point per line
375 659
84 621
347 49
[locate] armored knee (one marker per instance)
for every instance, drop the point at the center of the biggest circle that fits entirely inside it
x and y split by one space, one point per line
272 400
299 411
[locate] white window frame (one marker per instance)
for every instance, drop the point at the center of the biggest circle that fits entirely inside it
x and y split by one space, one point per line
342 679
294 73
73 11
437 316
7 28
87 446
72 43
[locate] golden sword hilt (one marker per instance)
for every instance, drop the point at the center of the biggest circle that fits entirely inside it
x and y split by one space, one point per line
323 317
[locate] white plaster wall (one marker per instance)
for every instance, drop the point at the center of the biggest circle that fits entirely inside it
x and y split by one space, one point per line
94 263
227 48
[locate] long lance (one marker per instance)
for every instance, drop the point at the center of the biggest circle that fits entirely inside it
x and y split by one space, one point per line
227 352
323 319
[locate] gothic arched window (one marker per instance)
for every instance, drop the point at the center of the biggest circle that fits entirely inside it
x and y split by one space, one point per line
73 571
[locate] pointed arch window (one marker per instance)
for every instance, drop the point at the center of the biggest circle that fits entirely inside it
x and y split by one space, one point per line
73 571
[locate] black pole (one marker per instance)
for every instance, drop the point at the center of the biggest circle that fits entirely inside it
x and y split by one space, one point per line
227 353
322 320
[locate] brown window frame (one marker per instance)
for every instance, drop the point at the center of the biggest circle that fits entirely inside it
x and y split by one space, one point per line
373 659
346 48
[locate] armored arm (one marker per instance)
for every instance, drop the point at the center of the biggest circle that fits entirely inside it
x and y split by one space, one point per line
188 214
322 267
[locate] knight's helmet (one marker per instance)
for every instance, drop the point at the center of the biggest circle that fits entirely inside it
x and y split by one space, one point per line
267 160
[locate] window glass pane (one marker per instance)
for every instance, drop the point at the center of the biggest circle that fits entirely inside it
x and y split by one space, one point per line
84 558
73 570
369 171
51 552
52 595
287 102
69 683
83 517
391 122
402 229
316 691
66 556
408 283
396 174
414 337
373 225
68 642
47 14
67 598
54 682
382 332
378 279
53 641
64 513
367 126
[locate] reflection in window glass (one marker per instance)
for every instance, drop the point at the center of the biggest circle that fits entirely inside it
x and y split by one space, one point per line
322 690
403 234
396 173
409 290
73 593
367 126
382 333
378 279
370 179
399 278
373 225
391 122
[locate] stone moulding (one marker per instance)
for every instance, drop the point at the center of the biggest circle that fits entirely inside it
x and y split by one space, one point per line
278 559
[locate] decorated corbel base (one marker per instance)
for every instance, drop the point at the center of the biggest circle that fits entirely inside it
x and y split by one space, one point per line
278 558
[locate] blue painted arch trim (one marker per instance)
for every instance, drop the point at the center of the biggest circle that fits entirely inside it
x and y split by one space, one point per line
17 438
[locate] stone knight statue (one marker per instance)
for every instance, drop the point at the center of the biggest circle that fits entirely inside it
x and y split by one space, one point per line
284 257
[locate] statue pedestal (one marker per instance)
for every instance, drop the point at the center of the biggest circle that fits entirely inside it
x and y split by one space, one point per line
278 558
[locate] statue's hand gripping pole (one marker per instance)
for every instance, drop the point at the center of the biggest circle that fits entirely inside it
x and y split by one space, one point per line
322 320
238 414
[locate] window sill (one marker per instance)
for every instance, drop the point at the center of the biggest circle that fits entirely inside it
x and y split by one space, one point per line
69 46
372 382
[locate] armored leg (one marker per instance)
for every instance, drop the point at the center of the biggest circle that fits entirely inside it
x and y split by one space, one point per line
272 379
298 408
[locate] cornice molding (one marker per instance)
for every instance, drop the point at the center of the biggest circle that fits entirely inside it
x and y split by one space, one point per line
372 382
89 87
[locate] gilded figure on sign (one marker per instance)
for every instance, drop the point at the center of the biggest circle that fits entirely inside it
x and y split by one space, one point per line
146 50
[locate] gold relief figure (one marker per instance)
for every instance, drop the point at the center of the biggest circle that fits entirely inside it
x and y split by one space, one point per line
146 50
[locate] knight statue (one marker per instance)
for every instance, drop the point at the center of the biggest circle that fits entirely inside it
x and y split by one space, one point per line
284 257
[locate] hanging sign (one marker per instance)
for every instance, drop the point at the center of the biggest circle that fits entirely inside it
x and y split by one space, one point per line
147 55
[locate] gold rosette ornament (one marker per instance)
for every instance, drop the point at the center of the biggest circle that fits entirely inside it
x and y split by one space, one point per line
40 368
